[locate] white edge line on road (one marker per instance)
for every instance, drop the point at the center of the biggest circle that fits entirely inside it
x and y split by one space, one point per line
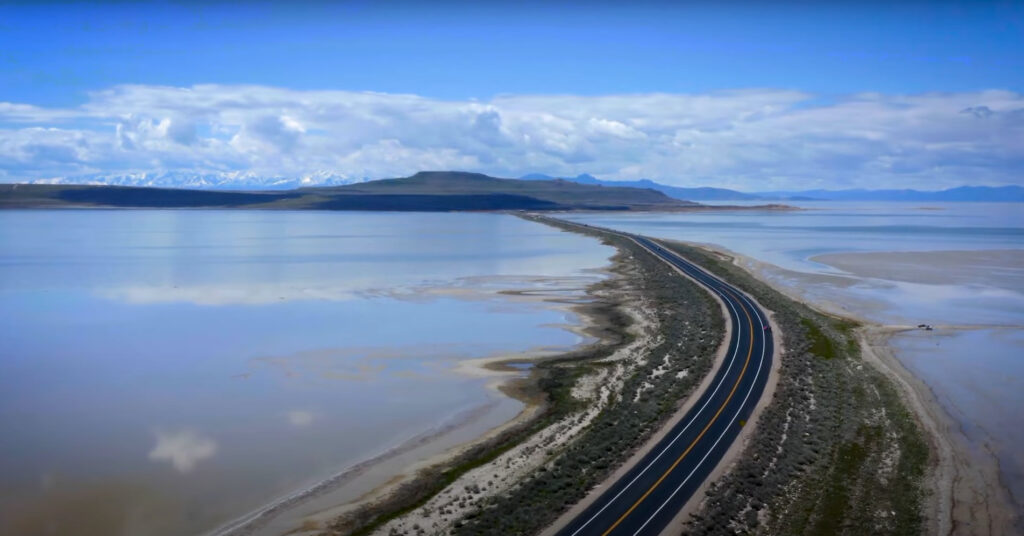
712 449
732 360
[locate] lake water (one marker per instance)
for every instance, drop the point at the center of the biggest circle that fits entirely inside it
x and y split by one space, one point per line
959 266
164 372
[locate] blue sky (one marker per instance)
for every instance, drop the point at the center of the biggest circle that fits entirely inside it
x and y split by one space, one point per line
54 54
59 57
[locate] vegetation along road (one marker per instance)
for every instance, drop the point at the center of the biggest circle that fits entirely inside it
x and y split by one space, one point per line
650 494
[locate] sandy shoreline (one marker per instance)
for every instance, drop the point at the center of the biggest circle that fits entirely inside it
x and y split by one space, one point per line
497 476
968 496
586 302
1002 268
566 294
251 523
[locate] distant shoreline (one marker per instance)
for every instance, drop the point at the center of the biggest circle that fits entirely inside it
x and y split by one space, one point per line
423 192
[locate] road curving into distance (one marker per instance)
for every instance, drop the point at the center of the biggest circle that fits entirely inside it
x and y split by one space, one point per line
646 498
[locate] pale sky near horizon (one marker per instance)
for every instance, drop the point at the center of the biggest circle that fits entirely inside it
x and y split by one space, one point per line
757 96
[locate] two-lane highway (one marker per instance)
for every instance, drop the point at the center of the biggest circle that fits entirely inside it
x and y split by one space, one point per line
646 498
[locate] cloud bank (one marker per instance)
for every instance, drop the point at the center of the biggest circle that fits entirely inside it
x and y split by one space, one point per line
756 139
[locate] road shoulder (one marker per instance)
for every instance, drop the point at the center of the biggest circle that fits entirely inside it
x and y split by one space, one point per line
684 407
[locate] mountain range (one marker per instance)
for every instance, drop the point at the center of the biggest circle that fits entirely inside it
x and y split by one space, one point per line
238 180
962 193
691 194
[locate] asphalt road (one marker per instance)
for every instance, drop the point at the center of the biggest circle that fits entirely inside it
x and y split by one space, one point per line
654 490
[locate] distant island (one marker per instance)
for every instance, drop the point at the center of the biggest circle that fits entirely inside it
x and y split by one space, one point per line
424 191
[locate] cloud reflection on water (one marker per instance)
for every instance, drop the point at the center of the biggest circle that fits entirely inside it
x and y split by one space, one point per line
300 418
265 293
182 448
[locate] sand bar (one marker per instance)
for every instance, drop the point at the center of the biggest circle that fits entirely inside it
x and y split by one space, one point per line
1002 268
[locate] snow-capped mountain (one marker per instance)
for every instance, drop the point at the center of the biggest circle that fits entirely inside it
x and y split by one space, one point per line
222 180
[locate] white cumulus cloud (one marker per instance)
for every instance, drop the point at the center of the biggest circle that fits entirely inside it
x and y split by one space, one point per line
754 139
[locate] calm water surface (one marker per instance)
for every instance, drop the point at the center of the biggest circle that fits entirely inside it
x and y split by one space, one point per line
163 372
789 238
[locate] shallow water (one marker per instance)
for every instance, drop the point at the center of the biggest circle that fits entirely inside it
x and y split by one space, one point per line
163 372
789 238
975 370
973 373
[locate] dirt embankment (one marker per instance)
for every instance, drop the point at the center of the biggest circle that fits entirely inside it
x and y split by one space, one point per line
966 497
563 394
614 401
836 451
963 492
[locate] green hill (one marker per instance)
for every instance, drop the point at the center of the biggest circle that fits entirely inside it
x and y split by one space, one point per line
563 193
424 191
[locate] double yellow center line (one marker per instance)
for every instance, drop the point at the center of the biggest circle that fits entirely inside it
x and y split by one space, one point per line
671 468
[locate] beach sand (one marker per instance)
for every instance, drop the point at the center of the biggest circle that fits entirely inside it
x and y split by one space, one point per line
967 495
1000 268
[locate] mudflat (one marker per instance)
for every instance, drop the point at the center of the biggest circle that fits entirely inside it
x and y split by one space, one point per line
1002 268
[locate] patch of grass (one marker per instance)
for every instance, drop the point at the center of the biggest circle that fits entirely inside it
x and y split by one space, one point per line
631 415
846 466
821 344
836 451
